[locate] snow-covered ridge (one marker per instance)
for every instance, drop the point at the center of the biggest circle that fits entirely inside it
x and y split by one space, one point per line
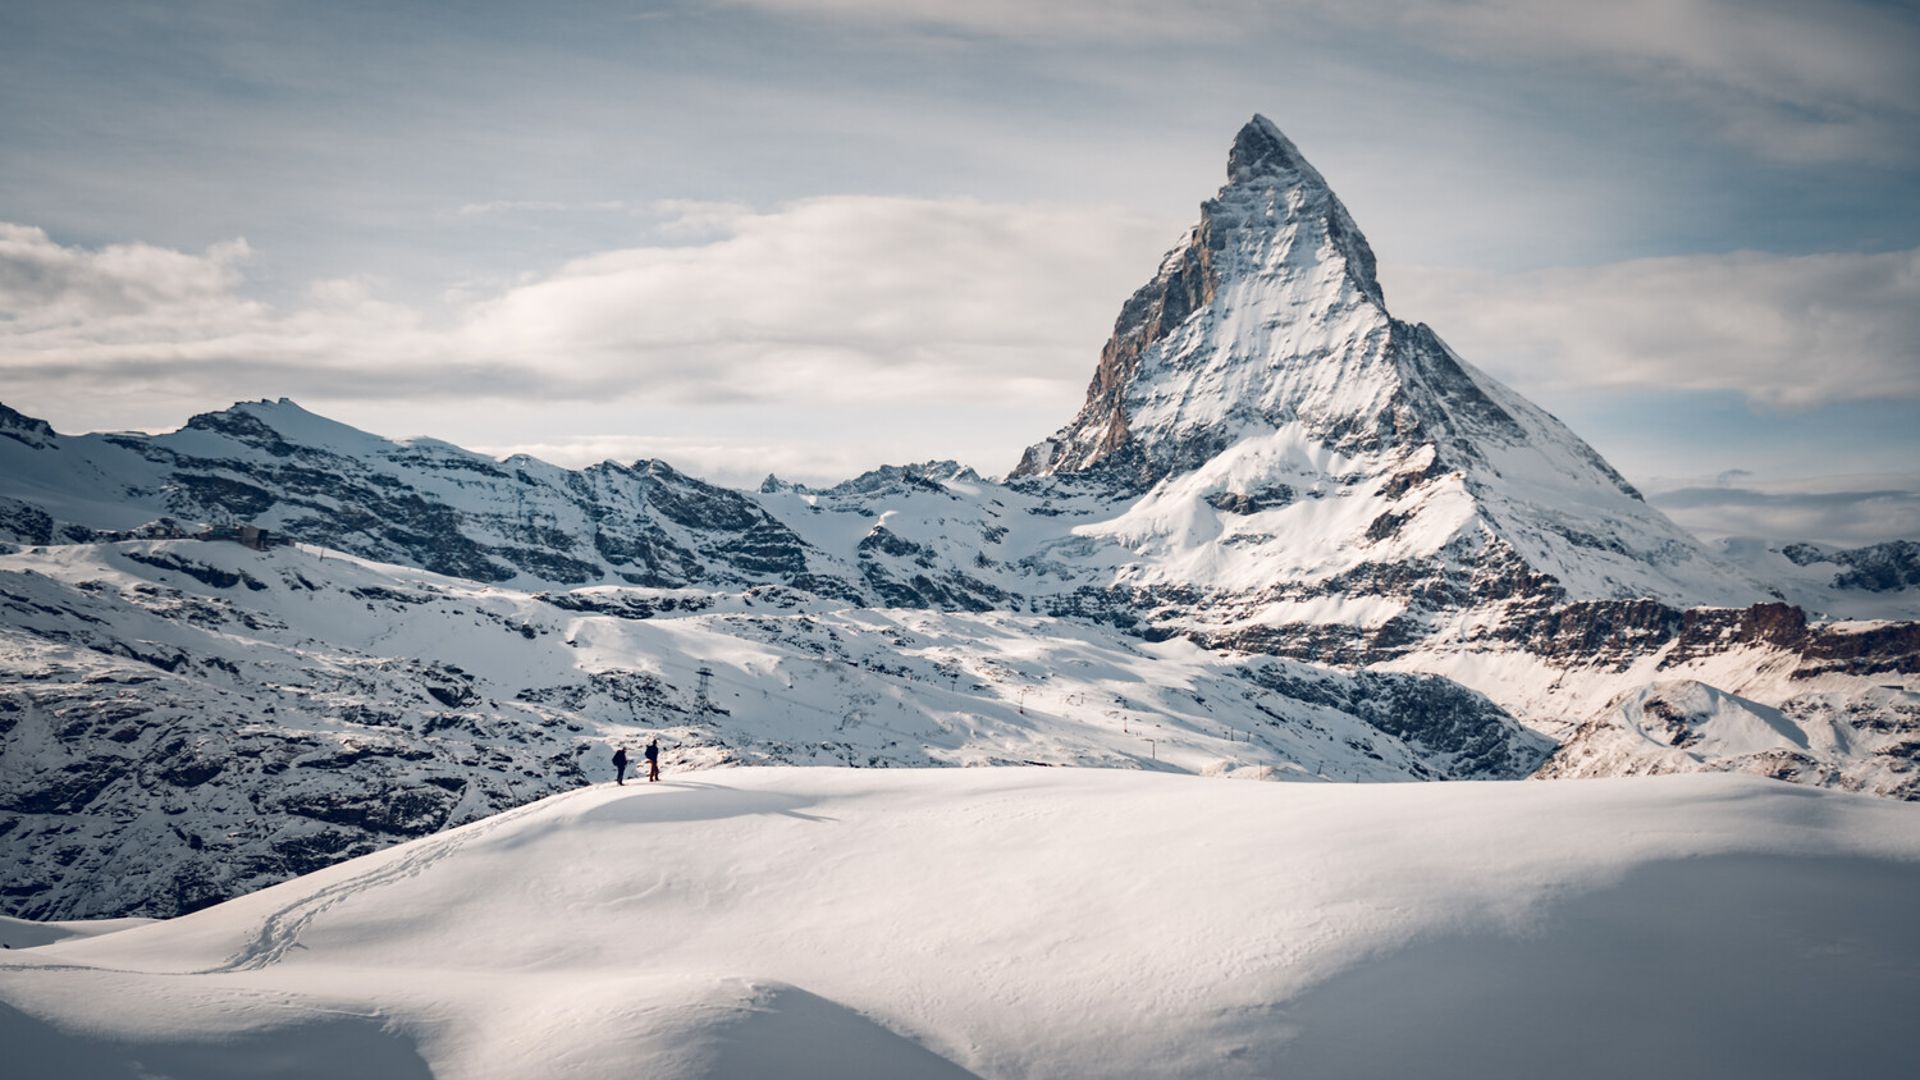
1878 581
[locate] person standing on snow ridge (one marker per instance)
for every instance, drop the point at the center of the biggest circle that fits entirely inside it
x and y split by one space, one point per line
620 766
653 760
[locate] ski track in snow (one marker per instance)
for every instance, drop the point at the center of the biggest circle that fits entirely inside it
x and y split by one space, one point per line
280 931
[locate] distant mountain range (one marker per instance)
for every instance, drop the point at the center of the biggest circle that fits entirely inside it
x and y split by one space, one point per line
1287 536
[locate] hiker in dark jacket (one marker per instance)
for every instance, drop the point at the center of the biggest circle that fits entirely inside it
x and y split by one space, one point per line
620 765
653 760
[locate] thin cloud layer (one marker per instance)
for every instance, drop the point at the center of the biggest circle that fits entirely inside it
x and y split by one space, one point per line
1786 331
1843 511
850 298
1802 80
1057 20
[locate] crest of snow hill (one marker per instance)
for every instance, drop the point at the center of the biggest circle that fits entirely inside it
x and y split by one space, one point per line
1287 536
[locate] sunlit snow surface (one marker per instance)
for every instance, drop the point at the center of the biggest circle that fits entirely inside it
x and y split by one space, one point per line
1039 922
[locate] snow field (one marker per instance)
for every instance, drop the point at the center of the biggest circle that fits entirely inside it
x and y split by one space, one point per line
1037 922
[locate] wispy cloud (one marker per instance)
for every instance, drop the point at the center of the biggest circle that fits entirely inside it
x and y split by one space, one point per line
44 284
1057 20
1786 331
1801 80
869 299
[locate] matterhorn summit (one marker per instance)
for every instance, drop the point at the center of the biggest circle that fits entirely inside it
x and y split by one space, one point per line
1260 372
1275 271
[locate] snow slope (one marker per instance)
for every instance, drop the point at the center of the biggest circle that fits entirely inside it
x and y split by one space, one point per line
1039 922
181 721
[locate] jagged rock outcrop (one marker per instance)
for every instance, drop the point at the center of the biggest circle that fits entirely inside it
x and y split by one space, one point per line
1889 567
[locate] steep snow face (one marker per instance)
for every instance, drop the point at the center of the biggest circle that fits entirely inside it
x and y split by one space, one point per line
1038 922
1268 319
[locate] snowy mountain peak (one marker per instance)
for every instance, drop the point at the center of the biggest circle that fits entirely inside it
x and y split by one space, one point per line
263 409
1263 159
1274 276
1262 146
1261 359
282 428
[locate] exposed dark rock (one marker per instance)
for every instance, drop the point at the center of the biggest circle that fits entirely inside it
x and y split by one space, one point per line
1252 502
210 575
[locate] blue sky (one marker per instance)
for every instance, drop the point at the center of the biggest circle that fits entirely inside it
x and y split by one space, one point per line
813 236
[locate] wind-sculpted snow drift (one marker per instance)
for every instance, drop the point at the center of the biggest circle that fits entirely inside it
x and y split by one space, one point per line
1271 474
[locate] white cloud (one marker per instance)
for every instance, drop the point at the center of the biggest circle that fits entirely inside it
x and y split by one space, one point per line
44 284
859 300
1787 331
846 299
